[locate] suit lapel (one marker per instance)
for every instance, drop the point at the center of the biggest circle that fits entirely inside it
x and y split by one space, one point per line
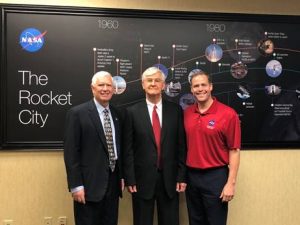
116 122
97 122
166 115
145 117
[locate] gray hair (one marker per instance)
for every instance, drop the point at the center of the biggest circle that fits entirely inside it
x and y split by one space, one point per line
198 72
153 70
99 75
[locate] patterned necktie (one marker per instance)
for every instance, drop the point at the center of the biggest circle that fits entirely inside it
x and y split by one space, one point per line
156 131
109 140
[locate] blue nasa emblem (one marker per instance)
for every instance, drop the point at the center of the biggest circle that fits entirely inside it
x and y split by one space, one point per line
211 124
32 39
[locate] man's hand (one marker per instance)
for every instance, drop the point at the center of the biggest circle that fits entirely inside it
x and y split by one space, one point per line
228 192
180 187
132 189
79 196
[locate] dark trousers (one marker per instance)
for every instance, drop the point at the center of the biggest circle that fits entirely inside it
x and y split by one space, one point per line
203 196
167 208
104 212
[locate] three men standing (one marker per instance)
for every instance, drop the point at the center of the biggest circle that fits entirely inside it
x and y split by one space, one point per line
154 154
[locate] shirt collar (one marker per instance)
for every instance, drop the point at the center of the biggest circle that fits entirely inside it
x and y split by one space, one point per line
99 107
158 105
211 110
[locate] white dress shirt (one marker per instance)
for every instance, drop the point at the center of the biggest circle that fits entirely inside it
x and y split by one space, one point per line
150 106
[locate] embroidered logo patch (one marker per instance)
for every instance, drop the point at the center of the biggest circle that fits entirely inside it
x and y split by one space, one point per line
211 124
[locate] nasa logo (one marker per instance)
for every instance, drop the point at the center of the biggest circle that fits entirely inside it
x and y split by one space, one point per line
211 124
32 39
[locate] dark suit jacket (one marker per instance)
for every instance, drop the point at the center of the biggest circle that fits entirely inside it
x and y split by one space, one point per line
85 150
140 154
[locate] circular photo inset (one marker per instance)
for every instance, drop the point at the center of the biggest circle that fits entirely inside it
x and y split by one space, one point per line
173 88
186 100
239 70
274 68
213 53
162 68
243 91
119 84
265 47
273 89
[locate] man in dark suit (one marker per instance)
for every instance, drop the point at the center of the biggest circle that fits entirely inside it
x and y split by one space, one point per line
92 156
154 153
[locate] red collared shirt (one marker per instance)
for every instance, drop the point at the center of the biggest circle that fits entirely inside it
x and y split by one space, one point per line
210 135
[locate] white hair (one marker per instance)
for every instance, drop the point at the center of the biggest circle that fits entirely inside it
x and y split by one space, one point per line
153 70
99 75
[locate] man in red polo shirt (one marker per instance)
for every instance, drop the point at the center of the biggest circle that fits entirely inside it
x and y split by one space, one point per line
214 140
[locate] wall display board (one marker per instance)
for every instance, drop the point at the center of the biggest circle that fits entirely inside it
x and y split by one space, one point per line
49 54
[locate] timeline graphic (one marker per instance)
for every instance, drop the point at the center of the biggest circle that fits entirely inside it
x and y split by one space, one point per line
250 65
254 67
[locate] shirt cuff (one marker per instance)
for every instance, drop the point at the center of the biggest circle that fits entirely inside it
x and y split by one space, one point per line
73 190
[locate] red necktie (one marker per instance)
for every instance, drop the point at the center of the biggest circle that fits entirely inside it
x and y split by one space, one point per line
156 130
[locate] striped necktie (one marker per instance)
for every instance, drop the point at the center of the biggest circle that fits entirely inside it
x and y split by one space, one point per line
109 140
